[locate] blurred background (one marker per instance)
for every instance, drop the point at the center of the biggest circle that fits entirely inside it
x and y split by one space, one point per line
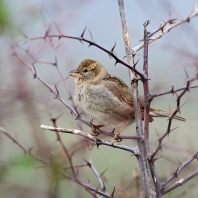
25 103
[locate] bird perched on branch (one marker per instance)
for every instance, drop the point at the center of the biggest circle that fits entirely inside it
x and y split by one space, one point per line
106 98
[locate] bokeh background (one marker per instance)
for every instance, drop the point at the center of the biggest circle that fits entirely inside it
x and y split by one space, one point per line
25 103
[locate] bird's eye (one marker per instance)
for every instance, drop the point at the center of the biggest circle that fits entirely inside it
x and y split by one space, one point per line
85 70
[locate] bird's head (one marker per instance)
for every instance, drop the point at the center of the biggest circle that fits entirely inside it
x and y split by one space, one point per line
89 71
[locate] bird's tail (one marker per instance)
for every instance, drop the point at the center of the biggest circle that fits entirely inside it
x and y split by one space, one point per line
159 113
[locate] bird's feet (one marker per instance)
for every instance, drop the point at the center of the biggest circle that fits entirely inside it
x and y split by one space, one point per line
116 138
94 128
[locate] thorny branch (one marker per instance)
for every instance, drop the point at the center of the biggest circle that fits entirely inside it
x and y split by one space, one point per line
90 164
97 141
64 149
14 140
166 26
172 91
177 110
180 182
146 114
92 43
179 169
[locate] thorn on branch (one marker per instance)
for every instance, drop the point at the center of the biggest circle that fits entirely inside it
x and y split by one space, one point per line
171 21
55 62
46 33
101 174
112 194
88 163
35 73
90 34
97 144
116 62
54 119
57 92
57 28
82 35
180 163
146 23
157 158
30 150
136 63
75 108
172 90
113 131
77 171
186 73
113 47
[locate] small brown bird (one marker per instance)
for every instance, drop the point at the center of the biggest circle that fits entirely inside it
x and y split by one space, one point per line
106 98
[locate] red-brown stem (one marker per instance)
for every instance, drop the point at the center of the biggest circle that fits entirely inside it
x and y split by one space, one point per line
146 114
110 53
64 149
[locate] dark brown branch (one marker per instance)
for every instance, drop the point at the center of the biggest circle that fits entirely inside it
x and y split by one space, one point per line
64 148
91 43
146 114
172 91
168 131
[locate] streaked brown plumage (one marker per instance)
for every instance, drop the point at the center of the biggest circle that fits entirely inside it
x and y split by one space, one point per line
106 98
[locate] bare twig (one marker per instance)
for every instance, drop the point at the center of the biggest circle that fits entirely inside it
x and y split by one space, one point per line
172 91
90 164
168 26
188 83
132 149
91 43
180 182
14 140
179 169
64 148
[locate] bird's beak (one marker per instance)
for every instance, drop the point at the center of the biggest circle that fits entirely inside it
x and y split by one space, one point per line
75 73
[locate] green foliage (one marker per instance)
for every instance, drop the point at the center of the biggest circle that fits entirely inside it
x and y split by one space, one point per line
5 22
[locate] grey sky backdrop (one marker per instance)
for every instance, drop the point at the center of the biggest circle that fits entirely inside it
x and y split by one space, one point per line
167 56
25 103
102 18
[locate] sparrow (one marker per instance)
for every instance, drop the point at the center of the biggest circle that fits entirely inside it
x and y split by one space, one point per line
106 98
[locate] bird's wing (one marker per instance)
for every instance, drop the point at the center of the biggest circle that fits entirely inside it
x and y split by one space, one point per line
119 88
